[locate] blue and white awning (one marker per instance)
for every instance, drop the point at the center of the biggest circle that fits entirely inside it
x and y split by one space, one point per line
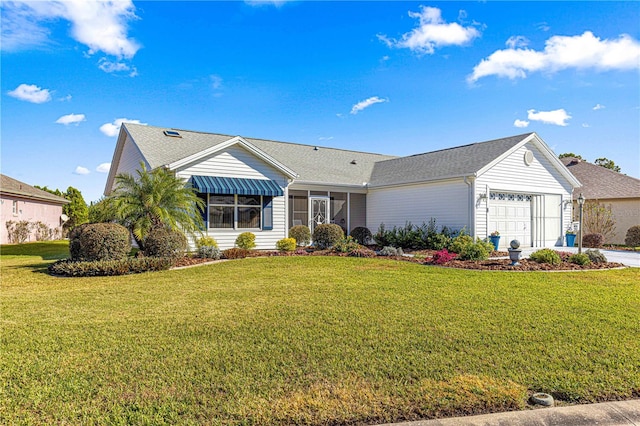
240 186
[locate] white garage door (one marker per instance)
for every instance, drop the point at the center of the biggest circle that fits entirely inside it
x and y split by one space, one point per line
510 214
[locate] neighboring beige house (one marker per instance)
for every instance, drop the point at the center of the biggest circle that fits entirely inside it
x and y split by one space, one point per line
23 202
514 185
620 191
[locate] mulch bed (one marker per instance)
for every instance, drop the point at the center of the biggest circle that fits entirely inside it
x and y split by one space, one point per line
425 258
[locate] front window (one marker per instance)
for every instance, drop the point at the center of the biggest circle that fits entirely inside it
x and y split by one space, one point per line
235 211
15 207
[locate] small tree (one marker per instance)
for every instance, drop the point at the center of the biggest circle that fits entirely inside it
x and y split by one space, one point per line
607 164
76 210
103 210
597 218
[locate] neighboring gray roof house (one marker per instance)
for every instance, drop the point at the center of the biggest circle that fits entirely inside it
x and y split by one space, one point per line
601 183
619 191
472 186
15 187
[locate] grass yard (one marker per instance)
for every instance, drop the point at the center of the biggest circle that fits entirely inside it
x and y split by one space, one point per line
307 340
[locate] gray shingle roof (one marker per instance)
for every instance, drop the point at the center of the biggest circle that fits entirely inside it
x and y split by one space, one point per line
324 165
453 162
601 183
15 187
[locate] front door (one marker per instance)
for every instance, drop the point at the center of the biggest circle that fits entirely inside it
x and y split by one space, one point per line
319 211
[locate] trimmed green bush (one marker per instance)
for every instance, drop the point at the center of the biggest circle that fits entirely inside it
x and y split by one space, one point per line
361 234
596 256
460 242
301 233
327 235
102 268
579 259
99 241
593 240
345 245
246 240
286 244
235 253
208 252
438 241
632 239
546 256
475 251
206 241
162 242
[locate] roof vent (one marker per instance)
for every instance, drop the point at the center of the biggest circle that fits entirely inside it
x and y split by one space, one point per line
315 148
172 133
354 162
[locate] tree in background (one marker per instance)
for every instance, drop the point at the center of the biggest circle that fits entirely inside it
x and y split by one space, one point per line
77 210
156 199
607 164
597 218
570 155
102 211
602 161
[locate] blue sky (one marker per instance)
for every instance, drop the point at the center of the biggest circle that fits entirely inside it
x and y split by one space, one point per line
395 78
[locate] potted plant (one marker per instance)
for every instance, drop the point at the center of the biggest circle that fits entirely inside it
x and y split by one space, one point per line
495 239
570 235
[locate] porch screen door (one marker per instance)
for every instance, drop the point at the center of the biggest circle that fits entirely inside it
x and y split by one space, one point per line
319 209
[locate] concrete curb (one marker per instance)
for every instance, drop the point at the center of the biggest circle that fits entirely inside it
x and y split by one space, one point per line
617 413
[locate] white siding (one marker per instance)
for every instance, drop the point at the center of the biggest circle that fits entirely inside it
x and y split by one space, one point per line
238 163
447 202
512 175
234 162
130 159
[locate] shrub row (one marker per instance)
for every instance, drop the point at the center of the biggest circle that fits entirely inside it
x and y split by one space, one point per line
555 258
424 237
99 268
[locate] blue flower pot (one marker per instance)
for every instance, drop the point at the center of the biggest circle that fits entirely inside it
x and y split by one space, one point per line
571 239
495 241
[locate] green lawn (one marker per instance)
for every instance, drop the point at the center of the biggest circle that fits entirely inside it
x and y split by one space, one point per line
306 340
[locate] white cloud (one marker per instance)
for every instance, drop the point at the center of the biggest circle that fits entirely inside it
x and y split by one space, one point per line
103 168
558 117
112 129
586 125
81 171
276 3
325 138
20 27
598 106
521 123
216 81
366 104
562 52
71 119
110 67
65 98
31 93
515 42
432 32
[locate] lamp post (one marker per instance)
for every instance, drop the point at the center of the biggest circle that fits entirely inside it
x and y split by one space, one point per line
581 204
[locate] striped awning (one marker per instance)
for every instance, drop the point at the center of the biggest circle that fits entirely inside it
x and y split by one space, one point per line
240 186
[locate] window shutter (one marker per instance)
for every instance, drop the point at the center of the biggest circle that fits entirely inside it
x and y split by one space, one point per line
204 212
267 213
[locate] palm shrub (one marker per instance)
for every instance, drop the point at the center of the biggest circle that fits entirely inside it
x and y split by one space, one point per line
163 242
632 239
361 234
99 241
301 233
246 240
156 199
326 235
